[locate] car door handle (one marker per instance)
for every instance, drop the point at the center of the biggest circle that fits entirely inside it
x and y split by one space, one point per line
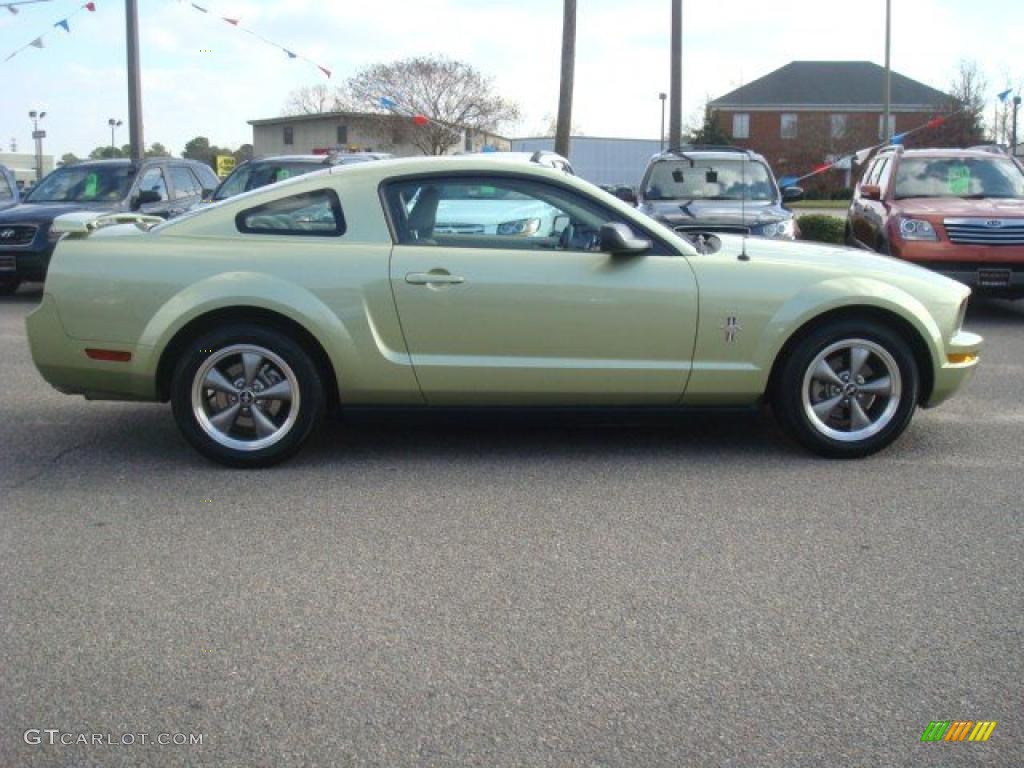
433 278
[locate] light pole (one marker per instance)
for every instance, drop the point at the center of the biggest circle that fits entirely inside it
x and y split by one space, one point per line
38 136
887 132
675 116
113 124
662 96
138 144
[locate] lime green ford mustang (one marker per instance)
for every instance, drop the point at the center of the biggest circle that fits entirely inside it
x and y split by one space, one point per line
475 281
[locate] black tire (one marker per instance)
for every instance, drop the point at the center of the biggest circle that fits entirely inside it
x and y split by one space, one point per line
216 346
9 287
826 435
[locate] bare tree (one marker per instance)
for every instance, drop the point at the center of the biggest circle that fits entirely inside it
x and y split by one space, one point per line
452 96
313 100
967 99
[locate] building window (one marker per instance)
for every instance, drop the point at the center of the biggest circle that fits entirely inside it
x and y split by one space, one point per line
342 134
838 126
787 126
882 132
741 125
289 135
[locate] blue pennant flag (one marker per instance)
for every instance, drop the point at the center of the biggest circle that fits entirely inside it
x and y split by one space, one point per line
897 138
1002 96
290 54
387 103
787 181
63 23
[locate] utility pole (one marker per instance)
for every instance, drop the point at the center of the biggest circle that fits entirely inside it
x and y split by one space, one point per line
131 14
675 110
38 136
887 130
564 125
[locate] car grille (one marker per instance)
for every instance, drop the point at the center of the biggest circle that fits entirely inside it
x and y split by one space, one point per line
985 231
16 234
723 228
6 262
458 229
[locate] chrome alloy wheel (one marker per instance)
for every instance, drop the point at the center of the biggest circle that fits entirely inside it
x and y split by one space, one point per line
851 390
245 397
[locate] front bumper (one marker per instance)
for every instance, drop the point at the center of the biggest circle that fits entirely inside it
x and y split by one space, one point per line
962 354
62 361
984 269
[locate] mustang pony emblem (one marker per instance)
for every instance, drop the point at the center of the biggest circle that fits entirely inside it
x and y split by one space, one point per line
732 327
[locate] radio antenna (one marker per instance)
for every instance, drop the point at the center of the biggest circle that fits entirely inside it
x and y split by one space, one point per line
744 230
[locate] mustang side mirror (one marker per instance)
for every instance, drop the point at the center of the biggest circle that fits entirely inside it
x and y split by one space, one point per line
792 194
145 197
618 239
871 192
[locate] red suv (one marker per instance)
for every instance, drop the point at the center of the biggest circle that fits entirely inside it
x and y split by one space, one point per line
957 211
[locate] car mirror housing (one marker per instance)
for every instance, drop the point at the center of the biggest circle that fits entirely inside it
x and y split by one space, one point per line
871 192
792 194
618 239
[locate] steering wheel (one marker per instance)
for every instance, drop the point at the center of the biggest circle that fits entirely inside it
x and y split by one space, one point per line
574 238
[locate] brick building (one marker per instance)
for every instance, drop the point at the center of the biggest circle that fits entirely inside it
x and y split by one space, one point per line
811 112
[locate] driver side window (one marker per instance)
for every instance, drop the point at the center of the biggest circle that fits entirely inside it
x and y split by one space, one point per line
153 180
496 212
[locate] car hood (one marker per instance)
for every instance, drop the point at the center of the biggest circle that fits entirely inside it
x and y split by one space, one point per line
990 207
714 212
44 213
838 261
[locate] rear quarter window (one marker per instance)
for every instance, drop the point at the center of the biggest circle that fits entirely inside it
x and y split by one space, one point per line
310 214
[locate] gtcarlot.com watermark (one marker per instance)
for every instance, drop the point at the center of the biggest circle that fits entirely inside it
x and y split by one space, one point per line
55 737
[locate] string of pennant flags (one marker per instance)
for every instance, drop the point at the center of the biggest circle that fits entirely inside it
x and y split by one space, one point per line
65 24
861 154
237 24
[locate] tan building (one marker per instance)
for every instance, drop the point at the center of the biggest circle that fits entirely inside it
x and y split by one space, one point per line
352 132
23 165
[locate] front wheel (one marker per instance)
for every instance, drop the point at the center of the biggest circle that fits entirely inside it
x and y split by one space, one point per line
246 396
848 389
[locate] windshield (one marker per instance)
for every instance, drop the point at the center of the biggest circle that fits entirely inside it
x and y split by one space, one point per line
958 177
709 180
84 184
260 174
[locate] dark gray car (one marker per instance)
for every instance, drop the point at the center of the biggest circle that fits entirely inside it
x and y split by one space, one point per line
159 186
717 189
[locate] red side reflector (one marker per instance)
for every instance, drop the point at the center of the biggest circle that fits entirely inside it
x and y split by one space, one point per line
110 355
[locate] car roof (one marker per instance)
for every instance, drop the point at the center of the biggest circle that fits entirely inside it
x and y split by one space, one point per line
947 152
706 152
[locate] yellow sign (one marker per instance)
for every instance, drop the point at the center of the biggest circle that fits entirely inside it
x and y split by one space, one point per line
225 165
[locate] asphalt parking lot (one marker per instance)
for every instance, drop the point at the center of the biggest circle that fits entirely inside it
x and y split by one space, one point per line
586 594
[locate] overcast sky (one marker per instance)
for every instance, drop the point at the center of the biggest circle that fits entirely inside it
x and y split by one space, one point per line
202 76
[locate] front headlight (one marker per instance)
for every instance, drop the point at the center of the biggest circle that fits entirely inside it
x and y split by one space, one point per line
521 227
784 229
53 237
917 229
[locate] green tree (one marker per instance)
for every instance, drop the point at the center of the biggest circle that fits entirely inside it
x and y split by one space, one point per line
156 149
243 153
202 150
68 158
710 130
108 152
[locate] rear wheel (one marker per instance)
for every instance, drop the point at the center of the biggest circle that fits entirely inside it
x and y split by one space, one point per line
848 389
246 396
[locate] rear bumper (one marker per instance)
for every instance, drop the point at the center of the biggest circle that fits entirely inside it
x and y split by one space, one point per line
962 353
63 363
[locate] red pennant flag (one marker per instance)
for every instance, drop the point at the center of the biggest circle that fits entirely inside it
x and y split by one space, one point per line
231 21
935 122
90 6
822 167
325 70
420 120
